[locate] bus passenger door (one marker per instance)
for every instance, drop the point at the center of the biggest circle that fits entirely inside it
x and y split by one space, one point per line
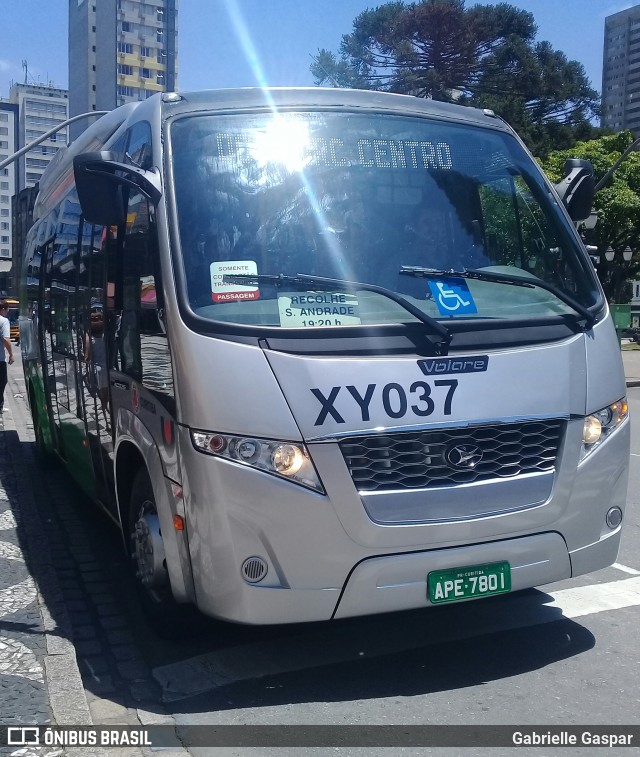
93 358
141 375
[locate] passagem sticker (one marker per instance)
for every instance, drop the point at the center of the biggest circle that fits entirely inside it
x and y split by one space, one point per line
226 291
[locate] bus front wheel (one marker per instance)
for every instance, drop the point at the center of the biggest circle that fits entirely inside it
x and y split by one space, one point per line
148 560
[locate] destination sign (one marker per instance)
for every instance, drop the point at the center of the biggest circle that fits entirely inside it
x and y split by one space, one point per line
238 149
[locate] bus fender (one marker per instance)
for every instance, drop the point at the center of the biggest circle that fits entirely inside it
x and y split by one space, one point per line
131 432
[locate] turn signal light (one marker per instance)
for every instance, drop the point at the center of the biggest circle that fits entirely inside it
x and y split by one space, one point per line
178 522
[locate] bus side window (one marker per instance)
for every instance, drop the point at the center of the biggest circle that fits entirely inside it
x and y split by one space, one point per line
142 343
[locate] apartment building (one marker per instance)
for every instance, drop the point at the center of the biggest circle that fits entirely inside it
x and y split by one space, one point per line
30 112
119 51
40 108
8 145
621 71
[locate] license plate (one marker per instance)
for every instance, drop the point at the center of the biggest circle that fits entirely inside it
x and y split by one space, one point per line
469 582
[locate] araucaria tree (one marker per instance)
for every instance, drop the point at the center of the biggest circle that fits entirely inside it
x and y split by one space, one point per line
484 55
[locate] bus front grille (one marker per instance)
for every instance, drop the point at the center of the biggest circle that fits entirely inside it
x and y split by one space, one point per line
447 457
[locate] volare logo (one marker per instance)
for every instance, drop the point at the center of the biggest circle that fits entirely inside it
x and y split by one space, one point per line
442 365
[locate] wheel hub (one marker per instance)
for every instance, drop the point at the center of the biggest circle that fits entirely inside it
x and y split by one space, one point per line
149 551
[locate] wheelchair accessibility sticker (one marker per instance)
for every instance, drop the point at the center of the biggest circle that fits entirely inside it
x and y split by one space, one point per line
452 296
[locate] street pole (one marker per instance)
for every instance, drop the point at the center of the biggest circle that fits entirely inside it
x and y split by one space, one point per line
47 134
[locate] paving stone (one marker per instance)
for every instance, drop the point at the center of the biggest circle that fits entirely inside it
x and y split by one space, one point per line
145 691
83 553
105 598
119 636
97 587
125 652
95 665
66 573
87 564
131 671
103 709
73 594
69 584
113 621
93 576
80 618
84 632
108 609
76 606
104 685
87 648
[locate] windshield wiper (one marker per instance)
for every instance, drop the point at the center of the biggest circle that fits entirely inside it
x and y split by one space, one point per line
503 278
321 282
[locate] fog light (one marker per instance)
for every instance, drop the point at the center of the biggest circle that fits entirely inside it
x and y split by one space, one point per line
614 517
592 429
287 459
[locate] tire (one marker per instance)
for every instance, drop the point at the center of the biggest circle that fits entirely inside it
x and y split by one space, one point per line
148 565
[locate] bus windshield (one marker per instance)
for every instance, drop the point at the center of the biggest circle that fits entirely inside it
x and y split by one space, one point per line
357 197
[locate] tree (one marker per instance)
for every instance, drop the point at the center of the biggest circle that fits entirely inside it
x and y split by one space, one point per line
485 56
617 206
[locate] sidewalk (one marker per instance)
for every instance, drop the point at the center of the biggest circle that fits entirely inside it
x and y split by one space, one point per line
39 677
40 643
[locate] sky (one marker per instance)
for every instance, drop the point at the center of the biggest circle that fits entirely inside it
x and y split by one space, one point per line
243 43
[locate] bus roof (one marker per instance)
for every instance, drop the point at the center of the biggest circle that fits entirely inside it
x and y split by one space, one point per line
325 97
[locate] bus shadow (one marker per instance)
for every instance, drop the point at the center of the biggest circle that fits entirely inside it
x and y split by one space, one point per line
406 654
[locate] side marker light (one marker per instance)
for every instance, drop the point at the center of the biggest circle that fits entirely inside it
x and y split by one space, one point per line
178 522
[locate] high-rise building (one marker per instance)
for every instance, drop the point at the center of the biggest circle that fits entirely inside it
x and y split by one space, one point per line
30 112
119 51
8 145
621 71
40 108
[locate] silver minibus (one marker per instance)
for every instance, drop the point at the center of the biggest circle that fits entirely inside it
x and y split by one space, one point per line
323 353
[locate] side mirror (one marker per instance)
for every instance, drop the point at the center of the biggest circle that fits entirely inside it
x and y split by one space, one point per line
100 181
577 189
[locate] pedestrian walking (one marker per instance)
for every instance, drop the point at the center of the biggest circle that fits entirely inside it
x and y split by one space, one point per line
6 349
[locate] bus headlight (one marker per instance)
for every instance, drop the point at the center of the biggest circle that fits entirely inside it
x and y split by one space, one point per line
600 424
288 460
